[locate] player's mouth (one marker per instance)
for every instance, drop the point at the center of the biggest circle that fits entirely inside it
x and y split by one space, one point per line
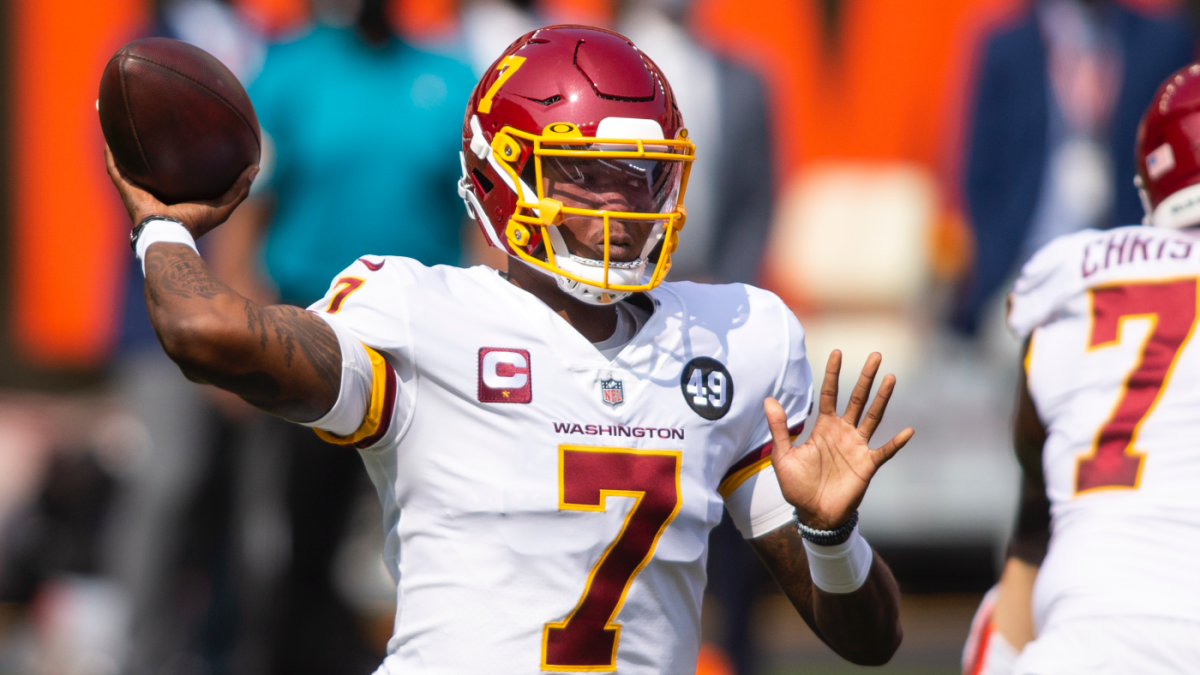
625 239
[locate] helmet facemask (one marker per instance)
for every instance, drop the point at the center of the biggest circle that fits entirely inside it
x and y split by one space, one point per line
568 176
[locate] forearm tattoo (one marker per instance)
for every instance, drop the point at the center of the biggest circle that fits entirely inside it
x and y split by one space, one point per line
179 282
862 627
175 273
783 553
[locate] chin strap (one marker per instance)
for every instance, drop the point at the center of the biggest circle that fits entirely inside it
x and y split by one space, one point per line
625 274
589 294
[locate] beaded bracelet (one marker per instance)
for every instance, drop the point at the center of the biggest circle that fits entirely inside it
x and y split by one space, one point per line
833 537
136 232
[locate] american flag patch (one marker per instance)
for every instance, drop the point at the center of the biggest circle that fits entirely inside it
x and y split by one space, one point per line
1160 162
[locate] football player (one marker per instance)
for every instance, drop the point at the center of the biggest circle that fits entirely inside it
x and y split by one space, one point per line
1106 427
552 446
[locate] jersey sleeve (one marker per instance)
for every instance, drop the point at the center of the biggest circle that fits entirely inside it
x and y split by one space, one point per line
363 309
1046 281
750 487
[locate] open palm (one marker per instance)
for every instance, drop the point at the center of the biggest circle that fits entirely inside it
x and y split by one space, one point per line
826 477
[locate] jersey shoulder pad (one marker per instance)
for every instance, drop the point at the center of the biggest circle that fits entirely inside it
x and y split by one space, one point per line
1047 280
756 316
762 335
368 297
736 304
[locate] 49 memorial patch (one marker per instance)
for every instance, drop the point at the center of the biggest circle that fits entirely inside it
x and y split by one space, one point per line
707 387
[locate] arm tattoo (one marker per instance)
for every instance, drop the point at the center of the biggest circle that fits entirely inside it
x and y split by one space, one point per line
259 388
294 327
782 551
181 275
785 549
256 324
863 627
178 284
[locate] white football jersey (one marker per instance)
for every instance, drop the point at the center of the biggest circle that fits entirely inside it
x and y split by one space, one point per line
1115 376
546 509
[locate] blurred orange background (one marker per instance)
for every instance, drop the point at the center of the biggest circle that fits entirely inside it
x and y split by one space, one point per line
890 90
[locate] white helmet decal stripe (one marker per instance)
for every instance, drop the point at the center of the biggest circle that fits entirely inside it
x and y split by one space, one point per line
1181 209
479 144
474 208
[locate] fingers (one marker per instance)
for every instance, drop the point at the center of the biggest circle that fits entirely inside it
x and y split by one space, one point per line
862 389
829 388
875 415
136 200
241 187
777 420
224 205
110 163
890 448
114 172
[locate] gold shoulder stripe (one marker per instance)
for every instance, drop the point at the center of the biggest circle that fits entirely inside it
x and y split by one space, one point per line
379 413
735 481
752 463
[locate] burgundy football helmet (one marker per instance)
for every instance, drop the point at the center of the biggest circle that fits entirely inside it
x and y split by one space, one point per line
1168 152
570 110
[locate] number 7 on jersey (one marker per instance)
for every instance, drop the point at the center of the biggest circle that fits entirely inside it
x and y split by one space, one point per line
1171 308
587 639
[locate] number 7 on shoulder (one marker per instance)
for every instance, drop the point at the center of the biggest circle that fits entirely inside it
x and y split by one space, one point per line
345 286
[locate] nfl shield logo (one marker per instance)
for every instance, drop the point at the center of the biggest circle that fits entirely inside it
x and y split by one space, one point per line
614 392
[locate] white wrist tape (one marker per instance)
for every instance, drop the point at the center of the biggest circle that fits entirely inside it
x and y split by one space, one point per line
162 232
842 568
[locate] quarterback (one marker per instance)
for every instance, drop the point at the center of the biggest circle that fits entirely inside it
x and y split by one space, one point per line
1103 568
552 446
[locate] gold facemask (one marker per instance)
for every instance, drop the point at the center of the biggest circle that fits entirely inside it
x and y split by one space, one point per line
648 176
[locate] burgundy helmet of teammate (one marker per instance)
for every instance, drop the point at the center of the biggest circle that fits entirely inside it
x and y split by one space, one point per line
565 115
1168 152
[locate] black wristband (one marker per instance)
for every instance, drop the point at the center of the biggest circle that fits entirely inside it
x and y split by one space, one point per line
838 535
137 229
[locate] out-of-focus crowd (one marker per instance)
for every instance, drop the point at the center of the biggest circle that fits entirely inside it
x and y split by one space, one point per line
884 165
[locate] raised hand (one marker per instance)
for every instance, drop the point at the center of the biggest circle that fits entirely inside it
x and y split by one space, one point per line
197 217
826 477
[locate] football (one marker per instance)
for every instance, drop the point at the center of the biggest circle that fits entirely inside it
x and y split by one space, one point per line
178 122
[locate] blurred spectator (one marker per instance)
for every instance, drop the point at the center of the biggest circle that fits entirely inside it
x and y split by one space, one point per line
365 132
1059 93
362 138
215 27
60 613
58 533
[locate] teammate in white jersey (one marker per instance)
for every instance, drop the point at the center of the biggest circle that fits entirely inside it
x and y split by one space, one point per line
552 446
1106 432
